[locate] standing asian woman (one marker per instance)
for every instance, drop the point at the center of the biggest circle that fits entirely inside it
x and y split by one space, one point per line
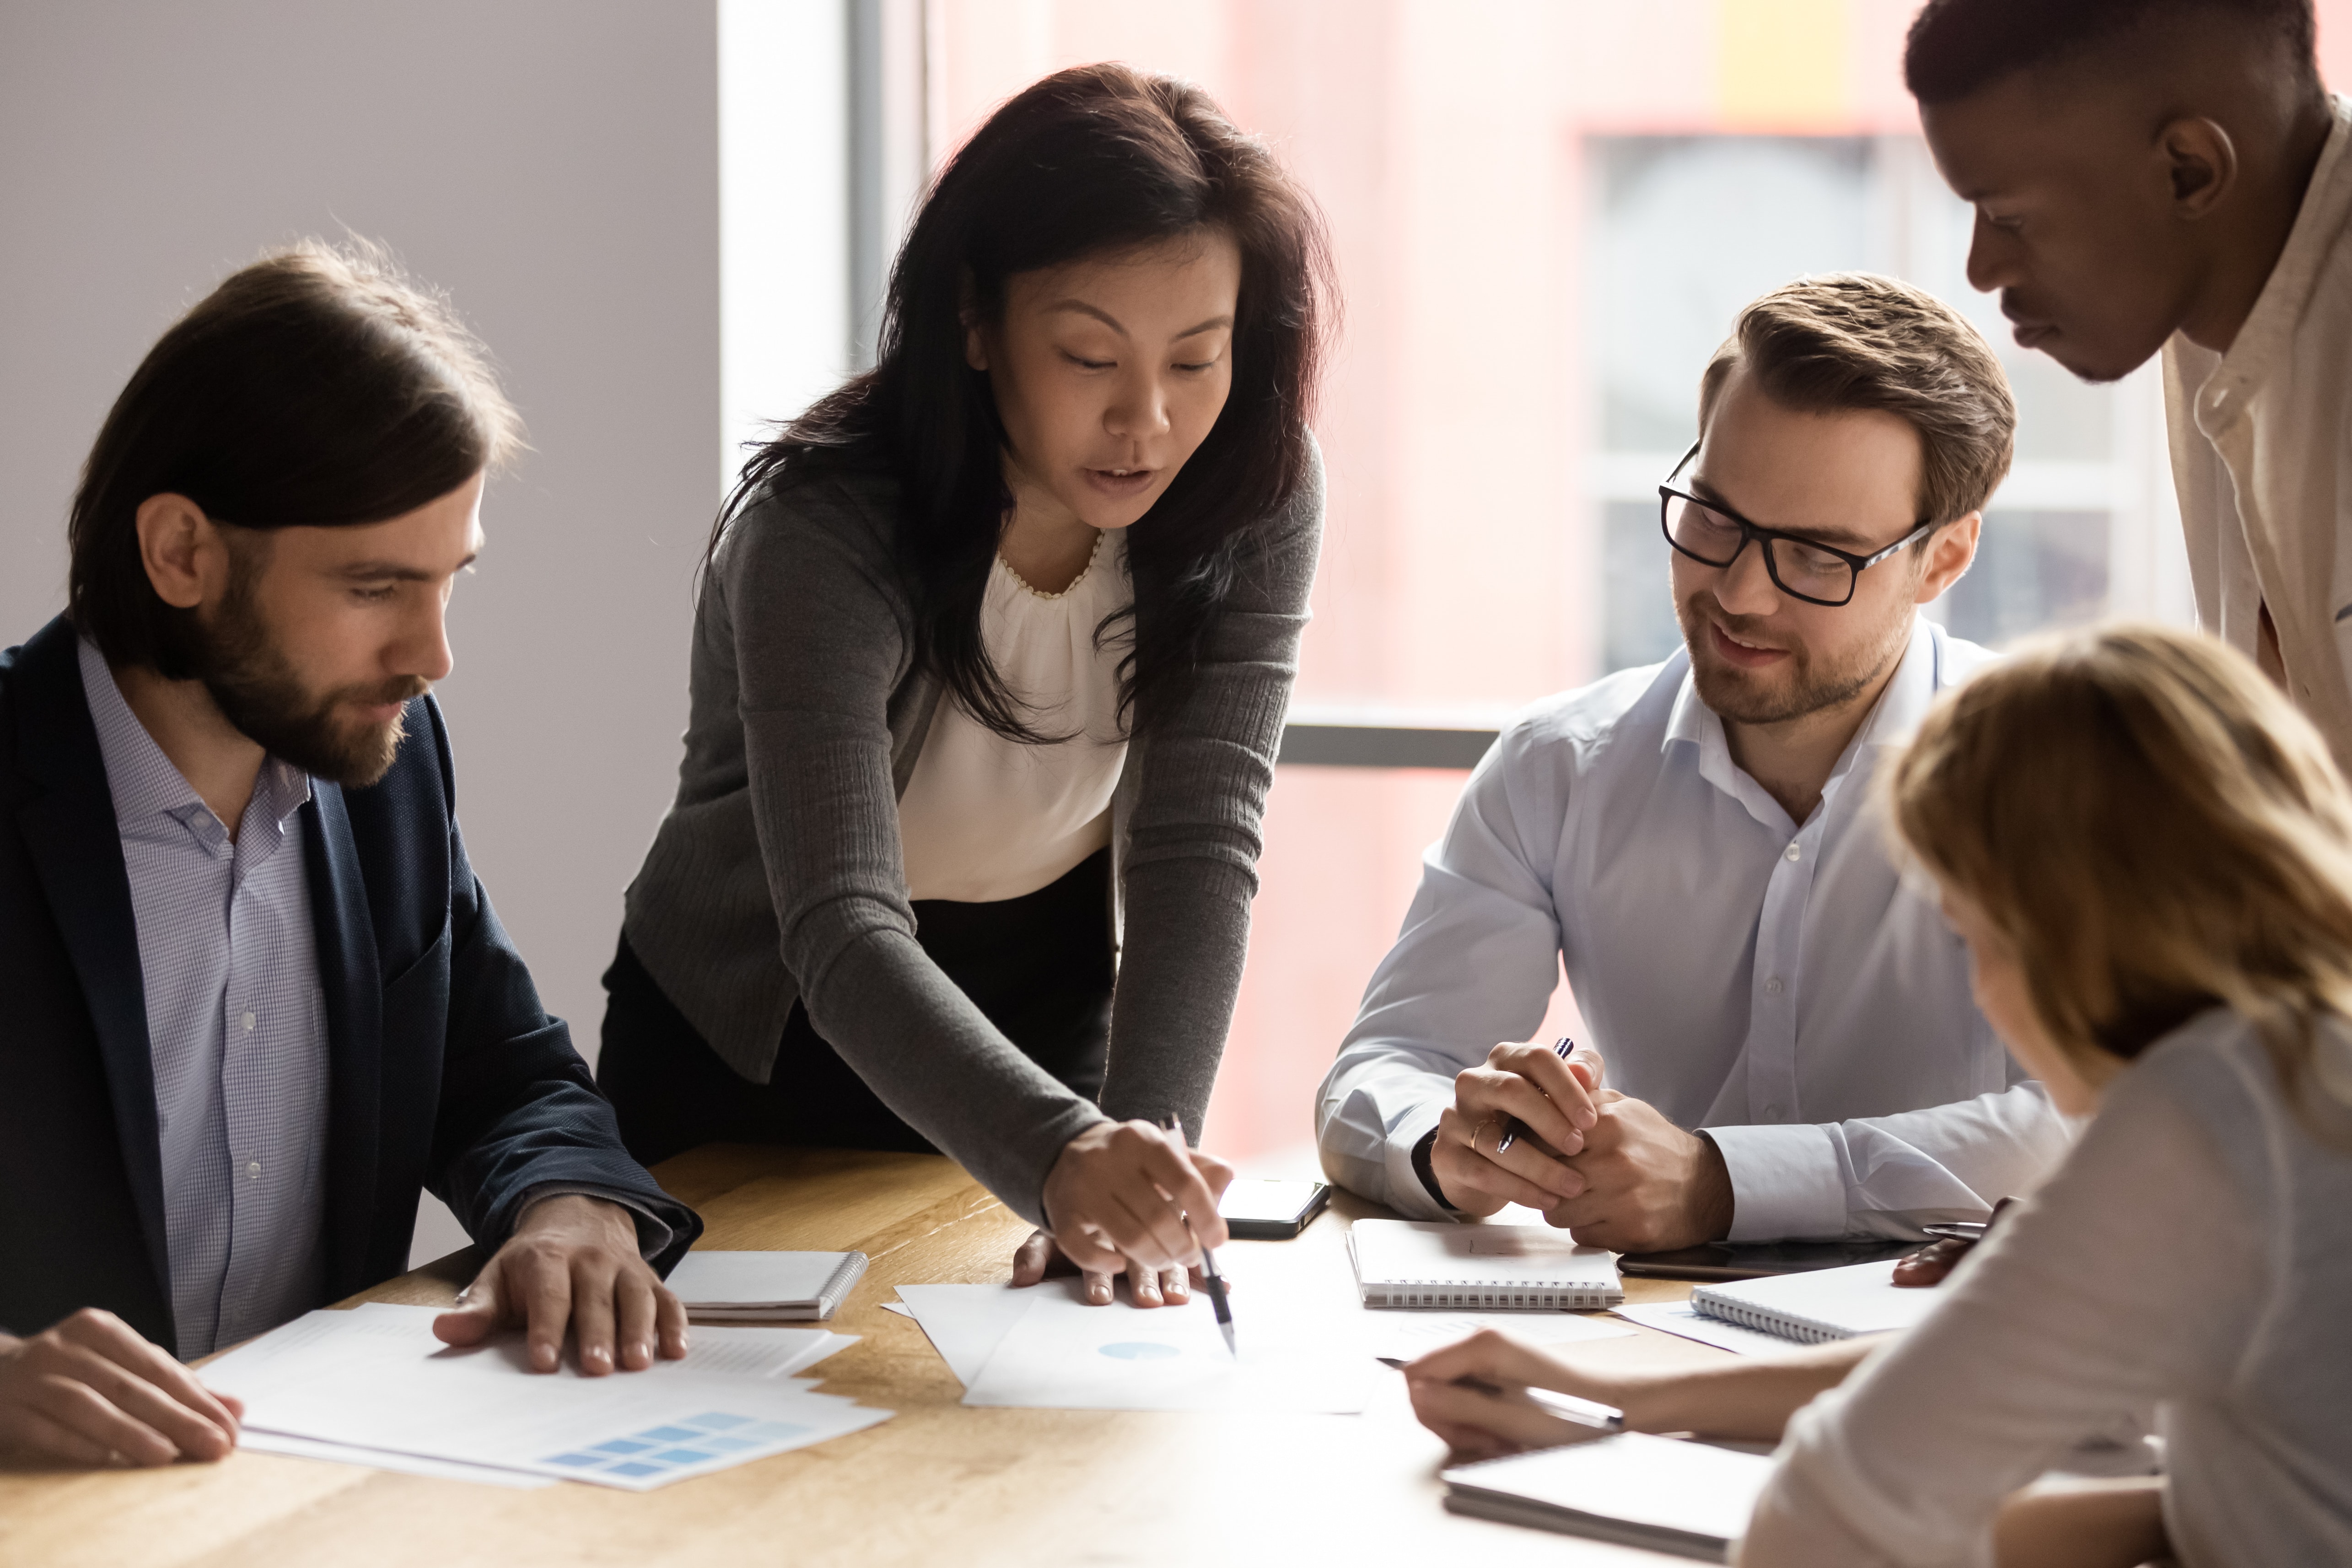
988 672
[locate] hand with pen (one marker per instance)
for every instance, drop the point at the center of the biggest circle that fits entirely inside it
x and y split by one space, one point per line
1118 1201
1533 1125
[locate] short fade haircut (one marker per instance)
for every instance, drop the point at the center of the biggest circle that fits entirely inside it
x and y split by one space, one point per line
1957 47
1854 341
317 387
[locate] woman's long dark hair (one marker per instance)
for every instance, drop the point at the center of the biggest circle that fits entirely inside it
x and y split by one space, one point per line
1095 159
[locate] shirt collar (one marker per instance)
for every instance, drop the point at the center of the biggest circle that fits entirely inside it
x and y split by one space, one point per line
1892 718
2268 337
144 781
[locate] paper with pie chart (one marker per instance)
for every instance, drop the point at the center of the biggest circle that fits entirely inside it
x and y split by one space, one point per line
1063 1354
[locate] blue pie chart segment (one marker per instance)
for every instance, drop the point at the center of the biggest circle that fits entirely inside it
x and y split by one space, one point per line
1140 1350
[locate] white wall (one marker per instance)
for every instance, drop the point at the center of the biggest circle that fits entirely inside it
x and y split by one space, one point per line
554 165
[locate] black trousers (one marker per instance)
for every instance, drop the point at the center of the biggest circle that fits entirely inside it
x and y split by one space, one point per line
1038 966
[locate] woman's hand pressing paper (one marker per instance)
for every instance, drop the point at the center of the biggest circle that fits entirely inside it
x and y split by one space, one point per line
1116 1202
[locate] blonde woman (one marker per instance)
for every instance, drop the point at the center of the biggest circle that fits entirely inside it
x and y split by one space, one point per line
2149 854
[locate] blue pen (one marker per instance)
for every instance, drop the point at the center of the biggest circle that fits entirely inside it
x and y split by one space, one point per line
1210 1279
1511 1125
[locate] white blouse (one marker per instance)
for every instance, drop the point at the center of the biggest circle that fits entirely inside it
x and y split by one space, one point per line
986 818
2194 1252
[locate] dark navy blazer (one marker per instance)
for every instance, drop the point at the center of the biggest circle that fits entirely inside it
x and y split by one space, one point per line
443 1071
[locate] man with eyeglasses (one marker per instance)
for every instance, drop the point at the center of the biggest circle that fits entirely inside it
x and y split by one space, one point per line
1782 1040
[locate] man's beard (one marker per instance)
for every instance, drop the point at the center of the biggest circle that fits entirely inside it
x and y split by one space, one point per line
258 690
1808 690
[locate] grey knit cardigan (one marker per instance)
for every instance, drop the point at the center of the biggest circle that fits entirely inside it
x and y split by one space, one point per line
777 875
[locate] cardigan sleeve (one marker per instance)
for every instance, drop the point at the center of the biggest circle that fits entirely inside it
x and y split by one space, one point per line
1193 837
820 637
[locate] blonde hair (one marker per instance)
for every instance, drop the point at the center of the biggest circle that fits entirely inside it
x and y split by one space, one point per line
2152 828
1857 340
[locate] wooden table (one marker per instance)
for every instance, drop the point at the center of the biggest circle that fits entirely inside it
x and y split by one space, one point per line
938 1483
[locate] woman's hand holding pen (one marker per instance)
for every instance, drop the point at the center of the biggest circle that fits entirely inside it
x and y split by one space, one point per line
1116 1202
1474 1394
1551 1100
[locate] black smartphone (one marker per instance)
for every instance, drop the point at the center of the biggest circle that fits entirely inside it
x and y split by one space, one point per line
1271 1211
1756 1259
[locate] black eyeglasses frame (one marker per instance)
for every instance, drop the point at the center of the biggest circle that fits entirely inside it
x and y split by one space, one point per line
1668 495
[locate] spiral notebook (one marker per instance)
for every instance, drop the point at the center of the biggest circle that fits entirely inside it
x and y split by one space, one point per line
1482 1268
1664 1494
1815 1308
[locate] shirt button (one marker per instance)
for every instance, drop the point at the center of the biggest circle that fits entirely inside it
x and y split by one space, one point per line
253 1170
1772 986
1794 851
1772 1113
247 1022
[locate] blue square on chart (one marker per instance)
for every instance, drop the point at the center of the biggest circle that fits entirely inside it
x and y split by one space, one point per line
635 1468
668 1435
578 1461
718 1421
728 1445
622 1445
681 1457
774 1431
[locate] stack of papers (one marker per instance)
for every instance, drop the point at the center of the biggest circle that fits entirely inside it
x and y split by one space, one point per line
373 1386
765 1287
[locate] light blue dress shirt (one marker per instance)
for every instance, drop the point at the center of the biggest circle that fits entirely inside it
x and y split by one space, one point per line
237 1030
237 1036
1777 982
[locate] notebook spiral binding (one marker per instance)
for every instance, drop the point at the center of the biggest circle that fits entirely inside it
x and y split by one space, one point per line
1784 1325
1433 1293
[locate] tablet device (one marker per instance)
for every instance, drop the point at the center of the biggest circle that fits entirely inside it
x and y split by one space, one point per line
1271 1211
1757 1259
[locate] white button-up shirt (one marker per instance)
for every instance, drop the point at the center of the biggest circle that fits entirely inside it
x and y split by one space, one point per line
1777 982
2262 456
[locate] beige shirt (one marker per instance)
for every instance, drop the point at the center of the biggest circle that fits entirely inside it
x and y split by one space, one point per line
2262 456
986 818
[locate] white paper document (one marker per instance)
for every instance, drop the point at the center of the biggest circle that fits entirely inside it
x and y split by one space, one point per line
1406 1335
1065 1354
1677 1317
375 1378
383 1460
964 1322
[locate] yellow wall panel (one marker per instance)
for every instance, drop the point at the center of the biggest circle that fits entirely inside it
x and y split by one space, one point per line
1782 64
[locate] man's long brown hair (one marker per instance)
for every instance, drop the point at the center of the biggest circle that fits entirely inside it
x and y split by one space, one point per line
316 388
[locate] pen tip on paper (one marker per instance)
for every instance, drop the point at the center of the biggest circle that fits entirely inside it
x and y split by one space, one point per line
1231 1344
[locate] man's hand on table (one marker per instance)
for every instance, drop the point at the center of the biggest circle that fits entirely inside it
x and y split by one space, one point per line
91 1391
1607 1168
572 1262
1116 1203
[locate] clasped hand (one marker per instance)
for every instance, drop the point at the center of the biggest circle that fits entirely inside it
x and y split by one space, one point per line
1606 1167
1117 1201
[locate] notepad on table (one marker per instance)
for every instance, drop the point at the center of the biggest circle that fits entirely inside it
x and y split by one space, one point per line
1479 1268
1663 1493
765 1287
1816 1307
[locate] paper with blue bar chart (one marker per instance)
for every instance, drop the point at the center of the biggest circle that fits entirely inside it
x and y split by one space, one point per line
374 1380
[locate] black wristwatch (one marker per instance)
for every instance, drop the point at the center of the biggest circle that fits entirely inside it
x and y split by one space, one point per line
1421 1168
